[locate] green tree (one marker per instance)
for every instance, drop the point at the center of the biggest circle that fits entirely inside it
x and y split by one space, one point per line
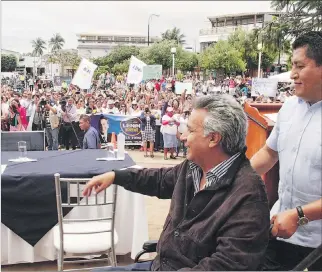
8 63
117 56
186 61
246 43
299 16
56 42
66 59
101 70
120 68
39 45
174 35
222 56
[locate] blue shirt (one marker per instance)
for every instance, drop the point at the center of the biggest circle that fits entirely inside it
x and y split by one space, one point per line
213 175
91 139
297 139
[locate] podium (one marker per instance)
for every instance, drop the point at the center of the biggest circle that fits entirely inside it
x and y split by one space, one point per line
259 128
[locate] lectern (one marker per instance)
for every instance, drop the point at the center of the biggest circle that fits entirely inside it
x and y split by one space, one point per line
259 128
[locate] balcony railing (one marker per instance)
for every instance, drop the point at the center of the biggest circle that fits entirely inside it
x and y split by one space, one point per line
225 29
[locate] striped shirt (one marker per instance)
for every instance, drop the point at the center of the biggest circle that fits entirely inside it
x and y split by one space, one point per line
213 175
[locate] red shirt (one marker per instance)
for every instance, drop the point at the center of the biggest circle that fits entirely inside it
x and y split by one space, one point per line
157 86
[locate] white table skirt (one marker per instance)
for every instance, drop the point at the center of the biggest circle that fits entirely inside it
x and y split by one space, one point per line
130 224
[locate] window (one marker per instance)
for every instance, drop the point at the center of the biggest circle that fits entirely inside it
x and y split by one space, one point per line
121 39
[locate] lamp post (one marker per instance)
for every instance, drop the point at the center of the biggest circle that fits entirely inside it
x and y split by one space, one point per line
173 51
259 47
150 17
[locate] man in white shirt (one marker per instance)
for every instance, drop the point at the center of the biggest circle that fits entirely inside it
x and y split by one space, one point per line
296 143
111 109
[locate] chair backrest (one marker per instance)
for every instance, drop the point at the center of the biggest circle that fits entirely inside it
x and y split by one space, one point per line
35 140
69 195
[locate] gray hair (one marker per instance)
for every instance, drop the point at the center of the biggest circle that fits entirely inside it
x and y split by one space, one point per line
226 117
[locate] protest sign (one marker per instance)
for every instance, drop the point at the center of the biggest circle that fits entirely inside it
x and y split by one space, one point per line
135 73
84 74
264 86
152 72
128 125
181 86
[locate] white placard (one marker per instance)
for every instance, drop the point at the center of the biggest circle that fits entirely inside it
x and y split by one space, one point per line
264 86
135 73
3 167
181 86
84 74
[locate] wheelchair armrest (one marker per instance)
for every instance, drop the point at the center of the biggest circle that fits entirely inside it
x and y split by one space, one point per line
150 246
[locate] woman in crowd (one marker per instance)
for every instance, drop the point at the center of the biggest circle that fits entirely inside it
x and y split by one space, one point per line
4 114
123 109
169 131
148 131
14 119
22 112
182 128
90 109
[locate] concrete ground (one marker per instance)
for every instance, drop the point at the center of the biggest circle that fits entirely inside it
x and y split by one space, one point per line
157 211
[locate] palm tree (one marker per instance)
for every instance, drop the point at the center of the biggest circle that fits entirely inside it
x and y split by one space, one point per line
174 34
56 43
39 46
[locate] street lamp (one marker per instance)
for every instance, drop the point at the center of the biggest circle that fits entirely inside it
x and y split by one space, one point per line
173 51
150 17
259 47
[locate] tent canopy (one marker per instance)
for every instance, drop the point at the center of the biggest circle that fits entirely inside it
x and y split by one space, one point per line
283 77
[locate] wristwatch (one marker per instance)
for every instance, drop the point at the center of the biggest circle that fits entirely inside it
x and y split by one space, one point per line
303 220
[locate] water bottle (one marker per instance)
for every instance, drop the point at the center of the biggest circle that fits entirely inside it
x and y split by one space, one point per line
120 146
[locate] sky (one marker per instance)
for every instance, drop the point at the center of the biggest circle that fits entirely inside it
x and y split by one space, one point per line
24 21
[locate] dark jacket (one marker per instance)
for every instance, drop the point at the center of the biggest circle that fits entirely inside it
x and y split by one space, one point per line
224 227
143 120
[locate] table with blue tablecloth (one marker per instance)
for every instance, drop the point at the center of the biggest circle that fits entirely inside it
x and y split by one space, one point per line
29 211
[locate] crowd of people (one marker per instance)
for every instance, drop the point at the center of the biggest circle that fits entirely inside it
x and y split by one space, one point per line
163 112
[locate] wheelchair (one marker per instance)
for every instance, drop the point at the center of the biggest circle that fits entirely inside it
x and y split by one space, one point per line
151 246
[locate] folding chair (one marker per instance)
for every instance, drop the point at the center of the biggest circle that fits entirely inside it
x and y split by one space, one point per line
81 238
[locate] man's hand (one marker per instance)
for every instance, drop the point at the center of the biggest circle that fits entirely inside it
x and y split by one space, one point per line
99 183
285 224
47 106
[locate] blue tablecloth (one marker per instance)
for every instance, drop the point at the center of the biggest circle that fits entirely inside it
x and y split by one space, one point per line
28 189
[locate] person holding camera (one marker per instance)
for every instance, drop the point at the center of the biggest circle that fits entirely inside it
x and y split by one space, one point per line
148 131
50 122
69 115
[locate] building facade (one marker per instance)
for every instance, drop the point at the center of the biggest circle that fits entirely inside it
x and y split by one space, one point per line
91 45
222 26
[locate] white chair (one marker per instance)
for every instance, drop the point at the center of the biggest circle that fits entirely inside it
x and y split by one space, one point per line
80 239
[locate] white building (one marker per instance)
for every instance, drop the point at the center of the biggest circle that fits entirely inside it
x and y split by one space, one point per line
93 45
222 26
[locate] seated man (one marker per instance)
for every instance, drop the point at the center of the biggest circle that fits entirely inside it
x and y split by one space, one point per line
91 137
296 143
219 214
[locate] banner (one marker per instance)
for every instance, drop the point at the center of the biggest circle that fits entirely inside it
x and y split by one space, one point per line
135 73
181 86
84 74
152 72
128 125
264 86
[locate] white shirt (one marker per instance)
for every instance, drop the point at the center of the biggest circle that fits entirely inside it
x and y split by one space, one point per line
297 139
170 128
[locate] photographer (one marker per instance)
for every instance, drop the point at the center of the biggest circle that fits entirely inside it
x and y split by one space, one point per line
49 117
69 115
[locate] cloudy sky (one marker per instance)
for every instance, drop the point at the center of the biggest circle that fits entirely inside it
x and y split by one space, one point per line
24 21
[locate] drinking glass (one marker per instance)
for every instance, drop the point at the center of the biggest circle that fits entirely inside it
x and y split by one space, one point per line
22 148
110 152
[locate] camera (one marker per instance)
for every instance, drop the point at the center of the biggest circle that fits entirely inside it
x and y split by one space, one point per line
63 104
42 103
